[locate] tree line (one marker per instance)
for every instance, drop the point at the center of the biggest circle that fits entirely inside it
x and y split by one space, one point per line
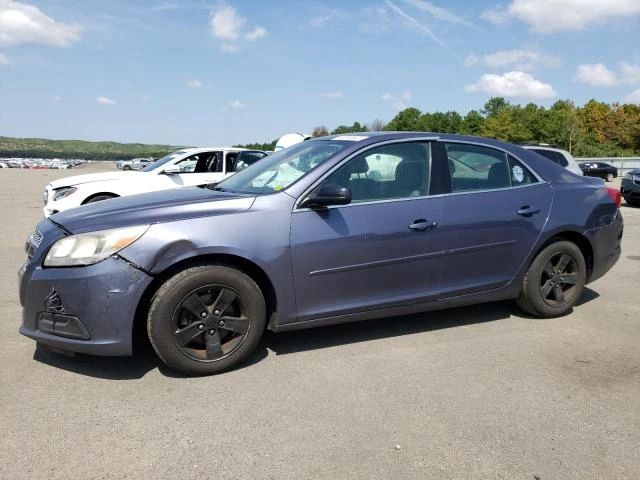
592 130
595 129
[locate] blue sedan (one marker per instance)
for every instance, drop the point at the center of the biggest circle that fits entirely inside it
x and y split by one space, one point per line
337 229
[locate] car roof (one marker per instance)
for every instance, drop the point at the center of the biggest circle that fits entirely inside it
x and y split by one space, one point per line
543 147
200 149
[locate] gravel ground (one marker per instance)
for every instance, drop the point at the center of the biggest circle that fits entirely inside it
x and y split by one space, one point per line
479 392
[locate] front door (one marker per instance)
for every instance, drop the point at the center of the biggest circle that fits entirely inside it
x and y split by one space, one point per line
379 250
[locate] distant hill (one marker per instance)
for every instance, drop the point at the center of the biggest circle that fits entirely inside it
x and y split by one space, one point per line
43 148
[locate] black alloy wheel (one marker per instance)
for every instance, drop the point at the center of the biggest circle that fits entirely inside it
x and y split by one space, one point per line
210 323
206 319
559 279
554 281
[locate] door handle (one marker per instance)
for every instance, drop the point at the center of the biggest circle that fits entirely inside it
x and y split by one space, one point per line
527 211
422 225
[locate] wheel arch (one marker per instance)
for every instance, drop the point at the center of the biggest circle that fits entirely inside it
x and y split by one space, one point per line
572 236
94 195
254 271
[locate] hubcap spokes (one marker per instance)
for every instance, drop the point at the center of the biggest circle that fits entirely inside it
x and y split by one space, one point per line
210 323
558 279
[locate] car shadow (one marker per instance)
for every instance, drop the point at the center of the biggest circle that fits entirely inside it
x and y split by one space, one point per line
145 360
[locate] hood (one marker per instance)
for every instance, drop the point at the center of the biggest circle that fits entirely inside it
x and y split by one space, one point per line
148 208
635 171
93 177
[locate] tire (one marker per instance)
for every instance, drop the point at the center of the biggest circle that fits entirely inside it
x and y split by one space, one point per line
206 319
99 198
543 277
609 177
126 167
633 203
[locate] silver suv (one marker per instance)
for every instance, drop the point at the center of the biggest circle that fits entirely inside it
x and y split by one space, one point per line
556 155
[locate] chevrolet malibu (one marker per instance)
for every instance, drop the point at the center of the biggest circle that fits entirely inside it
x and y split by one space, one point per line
333 230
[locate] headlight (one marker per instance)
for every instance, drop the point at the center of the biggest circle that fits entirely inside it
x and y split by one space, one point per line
93 247
59 193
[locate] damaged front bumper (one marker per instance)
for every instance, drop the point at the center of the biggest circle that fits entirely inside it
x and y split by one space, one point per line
87 309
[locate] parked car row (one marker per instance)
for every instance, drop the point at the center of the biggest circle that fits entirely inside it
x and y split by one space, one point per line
330 230
40 163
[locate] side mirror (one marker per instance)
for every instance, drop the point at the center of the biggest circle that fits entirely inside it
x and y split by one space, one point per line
172 170
327 195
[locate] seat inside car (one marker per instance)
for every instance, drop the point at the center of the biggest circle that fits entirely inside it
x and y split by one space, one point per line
362 187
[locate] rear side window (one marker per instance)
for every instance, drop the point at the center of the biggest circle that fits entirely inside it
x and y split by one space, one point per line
474 167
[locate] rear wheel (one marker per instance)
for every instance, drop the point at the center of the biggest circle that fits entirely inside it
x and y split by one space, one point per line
609 177
206 319
554 282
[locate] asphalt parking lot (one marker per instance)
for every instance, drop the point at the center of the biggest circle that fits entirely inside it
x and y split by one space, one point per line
480 392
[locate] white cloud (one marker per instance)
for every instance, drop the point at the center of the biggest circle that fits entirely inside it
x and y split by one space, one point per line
56 98
21 23
195 83
633 97
105 101
398 102
228 48
497 17
237 104
332 95
549 16
512 84
321 20
226 24
520 58
256 34
437 12
596 75
628 73
4 60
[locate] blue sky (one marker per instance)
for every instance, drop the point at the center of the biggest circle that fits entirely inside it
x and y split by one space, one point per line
202 73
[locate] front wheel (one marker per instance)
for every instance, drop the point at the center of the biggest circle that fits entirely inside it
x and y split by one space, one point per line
206 319
554 282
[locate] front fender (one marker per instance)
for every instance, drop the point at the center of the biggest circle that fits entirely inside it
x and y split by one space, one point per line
259 237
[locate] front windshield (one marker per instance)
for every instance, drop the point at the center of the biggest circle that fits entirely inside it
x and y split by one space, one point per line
281 169
161 161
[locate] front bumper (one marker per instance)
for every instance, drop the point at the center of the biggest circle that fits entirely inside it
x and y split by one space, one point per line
82 309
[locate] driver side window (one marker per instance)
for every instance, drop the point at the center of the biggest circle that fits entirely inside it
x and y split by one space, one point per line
393 171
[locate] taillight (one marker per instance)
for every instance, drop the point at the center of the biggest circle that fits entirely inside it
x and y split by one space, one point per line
614 193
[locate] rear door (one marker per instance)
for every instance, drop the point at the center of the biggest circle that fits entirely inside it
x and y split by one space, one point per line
492 218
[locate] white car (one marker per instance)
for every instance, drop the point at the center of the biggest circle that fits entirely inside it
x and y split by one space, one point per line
184 168
556 155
